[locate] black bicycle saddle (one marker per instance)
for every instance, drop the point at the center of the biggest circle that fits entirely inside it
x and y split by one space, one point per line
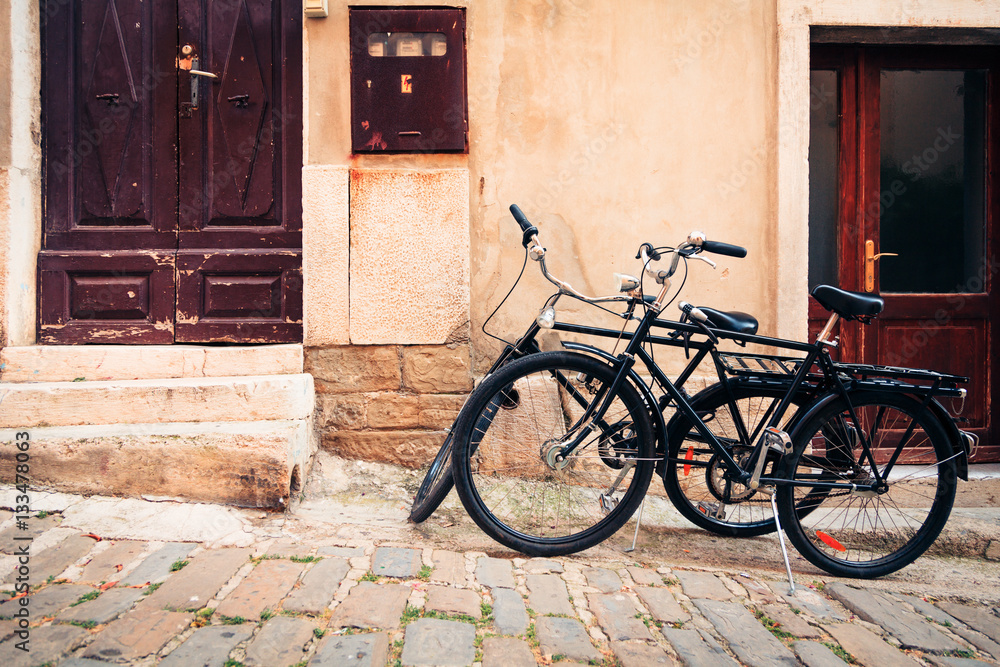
732 320
849 305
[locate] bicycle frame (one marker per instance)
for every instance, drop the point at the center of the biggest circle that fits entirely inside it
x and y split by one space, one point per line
824 387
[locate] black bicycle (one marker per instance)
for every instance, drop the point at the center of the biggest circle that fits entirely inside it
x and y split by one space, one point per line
554 451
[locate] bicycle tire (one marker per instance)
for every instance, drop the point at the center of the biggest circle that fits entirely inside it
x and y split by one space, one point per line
499 460
866 533
436 485
693 472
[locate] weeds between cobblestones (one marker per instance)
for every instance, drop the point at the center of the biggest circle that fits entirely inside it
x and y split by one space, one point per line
598 612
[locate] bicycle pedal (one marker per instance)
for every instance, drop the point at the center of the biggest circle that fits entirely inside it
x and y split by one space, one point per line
608 503
713 510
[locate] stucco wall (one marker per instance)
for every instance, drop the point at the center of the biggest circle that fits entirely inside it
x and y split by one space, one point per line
610 125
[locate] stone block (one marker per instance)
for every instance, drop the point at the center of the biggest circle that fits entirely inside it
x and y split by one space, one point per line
697 648
280 642
815 654
449 567
326 260
157 401
542 566
547 594
454 601
367 650
105 608
437 369
318 587
661 604
354 369
46 602
247 464
510 616
645 577
52 561
341 411
752 643
868 648
262 589
911 629
703 585
371 605
494 572
66 363
411 449
617 615
138 634
633 654
564 636
208 646
409 256
106 565
48 644
439 643
394 410
396 562
603 579
199 582
12 538
507 652
157 565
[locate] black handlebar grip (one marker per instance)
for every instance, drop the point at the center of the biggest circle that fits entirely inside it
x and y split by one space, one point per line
720 248
529 229
520 217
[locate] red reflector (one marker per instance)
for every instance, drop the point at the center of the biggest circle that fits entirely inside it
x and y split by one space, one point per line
689 457
829 541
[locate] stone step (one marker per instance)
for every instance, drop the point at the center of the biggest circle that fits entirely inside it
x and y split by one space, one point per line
152 401
248 464
66 363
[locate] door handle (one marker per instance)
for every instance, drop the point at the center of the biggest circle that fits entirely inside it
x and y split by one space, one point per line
195 74
870 258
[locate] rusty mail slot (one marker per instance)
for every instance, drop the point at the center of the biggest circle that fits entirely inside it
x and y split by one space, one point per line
408 80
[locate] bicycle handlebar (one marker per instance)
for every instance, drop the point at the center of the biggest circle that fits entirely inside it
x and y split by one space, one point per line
647 252
527 228
720 248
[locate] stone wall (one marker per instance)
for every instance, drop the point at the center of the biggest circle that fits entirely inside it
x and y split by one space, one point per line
388 403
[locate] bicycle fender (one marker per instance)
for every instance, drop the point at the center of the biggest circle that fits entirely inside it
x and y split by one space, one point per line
957 441
644 391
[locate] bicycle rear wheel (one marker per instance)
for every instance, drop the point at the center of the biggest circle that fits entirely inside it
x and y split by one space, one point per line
694 478
505 454
868 530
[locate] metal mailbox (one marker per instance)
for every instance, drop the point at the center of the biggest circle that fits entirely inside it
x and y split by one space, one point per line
408 80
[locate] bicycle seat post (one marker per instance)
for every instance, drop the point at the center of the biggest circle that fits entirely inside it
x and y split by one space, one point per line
824 336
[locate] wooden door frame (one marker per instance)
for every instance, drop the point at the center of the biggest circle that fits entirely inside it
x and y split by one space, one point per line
860 192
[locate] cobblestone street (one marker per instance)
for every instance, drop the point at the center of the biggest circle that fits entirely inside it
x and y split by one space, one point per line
228 587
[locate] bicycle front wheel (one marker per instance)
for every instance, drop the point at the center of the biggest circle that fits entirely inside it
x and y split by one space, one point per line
853 527
695 473
507 464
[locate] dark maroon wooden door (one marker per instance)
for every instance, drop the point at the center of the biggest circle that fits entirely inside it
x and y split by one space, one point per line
170 217
903 153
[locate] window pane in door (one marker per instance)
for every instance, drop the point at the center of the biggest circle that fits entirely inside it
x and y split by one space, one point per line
823 183
932 187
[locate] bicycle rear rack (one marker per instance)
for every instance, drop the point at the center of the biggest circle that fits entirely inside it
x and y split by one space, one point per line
778 371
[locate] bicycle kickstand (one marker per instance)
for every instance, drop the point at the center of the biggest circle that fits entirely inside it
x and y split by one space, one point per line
638 520
770 491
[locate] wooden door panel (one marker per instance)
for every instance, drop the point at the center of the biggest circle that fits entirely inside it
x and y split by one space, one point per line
240 151
130 170
110 169
250 296
101 297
